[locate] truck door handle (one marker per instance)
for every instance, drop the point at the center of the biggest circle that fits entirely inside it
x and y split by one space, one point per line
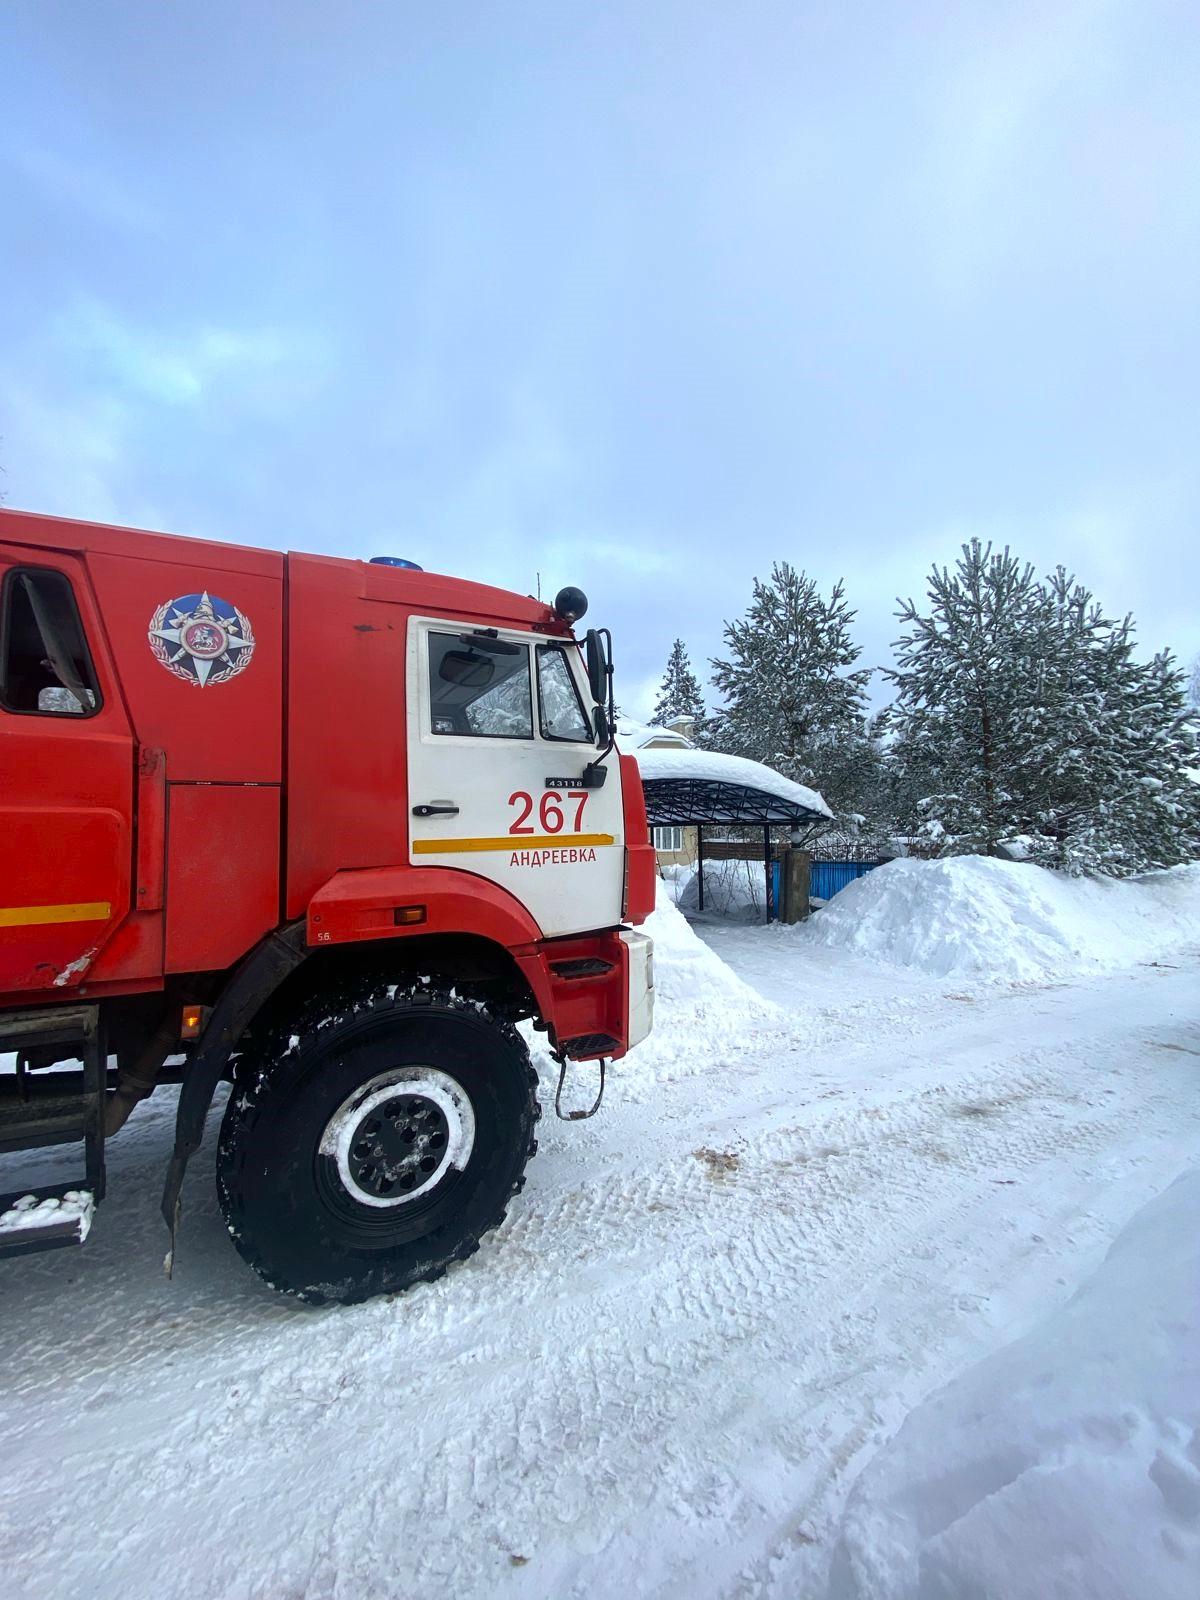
435 811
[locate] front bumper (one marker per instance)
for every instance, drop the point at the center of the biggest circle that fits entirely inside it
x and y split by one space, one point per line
594 992
640 980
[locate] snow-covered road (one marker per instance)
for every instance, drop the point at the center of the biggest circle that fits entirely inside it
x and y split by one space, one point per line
793 1219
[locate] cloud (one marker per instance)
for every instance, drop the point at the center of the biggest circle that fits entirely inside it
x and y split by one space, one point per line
91 403
62 456
81 188
639 697
176 368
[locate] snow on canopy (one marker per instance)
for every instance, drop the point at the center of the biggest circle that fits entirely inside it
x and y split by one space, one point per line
685 786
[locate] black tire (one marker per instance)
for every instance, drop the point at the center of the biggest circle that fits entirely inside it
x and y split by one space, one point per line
313 1214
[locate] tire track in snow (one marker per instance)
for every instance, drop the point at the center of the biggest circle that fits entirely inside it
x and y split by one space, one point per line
755 1271
653 1353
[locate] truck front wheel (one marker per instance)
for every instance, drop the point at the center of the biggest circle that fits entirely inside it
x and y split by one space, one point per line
369 1144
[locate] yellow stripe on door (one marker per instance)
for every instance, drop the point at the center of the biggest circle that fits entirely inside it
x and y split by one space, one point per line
511 841
37 916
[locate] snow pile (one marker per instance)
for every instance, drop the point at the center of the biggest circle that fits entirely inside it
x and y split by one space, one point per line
972 916
1066 1464
732 889
702 1009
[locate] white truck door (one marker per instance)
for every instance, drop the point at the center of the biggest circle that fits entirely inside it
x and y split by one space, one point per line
499 736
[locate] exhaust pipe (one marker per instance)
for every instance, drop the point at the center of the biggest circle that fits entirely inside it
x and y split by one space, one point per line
136 1082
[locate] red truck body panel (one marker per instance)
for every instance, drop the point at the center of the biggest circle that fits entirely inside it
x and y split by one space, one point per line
171 829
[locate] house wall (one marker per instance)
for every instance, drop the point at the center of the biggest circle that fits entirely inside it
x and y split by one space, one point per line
683 857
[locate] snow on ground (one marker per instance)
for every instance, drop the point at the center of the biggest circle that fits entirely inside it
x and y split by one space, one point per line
826 1190
970 916
1078 1446
697 996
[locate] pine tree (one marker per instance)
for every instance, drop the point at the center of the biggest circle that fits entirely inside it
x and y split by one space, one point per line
790 701
679 694
1022 712
961 677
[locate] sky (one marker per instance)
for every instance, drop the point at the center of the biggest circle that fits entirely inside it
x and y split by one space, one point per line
640 296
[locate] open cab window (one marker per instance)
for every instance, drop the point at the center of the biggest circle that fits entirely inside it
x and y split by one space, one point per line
45 666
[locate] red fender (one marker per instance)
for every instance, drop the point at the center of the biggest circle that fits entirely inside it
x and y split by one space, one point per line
369 903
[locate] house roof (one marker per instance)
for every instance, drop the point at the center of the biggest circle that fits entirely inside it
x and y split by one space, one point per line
685 785
634 735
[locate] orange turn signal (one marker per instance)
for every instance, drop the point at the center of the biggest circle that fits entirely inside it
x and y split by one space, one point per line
403 915
192 1024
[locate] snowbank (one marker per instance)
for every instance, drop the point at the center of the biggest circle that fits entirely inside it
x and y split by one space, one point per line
1067 1464
702 1009
970 916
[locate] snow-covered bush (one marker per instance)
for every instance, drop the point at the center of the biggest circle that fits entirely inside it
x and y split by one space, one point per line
732 889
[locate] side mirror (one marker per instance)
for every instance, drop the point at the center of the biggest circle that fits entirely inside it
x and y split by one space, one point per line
598 650
597 667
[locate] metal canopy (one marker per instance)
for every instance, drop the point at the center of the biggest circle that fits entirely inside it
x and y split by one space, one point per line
697 802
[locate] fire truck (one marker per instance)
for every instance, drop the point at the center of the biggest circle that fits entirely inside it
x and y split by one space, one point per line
326 830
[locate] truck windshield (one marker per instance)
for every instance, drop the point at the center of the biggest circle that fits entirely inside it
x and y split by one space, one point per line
473 692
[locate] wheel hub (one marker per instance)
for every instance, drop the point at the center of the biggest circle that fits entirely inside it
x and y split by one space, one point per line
399 1135
398 1146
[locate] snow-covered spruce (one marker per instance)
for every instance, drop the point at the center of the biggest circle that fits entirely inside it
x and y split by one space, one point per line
794 699
679 693
1022 711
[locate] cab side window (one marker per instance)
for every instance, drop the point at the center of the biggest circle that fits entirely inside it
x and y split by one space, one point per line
562 713
45 666
479 687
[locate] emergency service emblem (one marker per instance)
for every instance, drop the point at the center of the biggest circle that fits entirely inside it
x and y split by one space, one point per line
202 639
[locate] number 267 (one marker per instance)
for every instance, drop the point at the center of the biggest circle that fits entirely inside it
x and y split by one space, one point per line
550 811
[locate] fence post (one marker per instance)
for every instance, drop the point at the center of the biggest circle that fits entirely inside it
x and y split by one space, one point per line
767 864
797 867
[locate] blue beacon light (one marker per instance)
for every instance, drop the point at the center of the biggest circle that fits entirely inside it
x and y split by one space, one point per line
395 561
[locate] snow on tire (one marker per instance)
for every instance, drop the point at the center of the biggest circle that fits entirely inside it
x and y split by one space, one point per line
367 1145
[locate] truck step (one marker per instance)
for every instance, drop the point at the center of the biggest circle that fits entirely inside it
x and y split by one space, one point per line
52 1108
45 1219
41 1107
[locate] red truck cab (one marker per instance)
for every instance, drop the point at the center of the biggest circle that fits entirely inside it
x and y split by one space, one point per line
301 819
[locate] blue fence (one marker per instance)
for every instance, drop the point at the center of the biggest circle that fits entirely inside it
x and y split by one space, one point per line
830 876
827 877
